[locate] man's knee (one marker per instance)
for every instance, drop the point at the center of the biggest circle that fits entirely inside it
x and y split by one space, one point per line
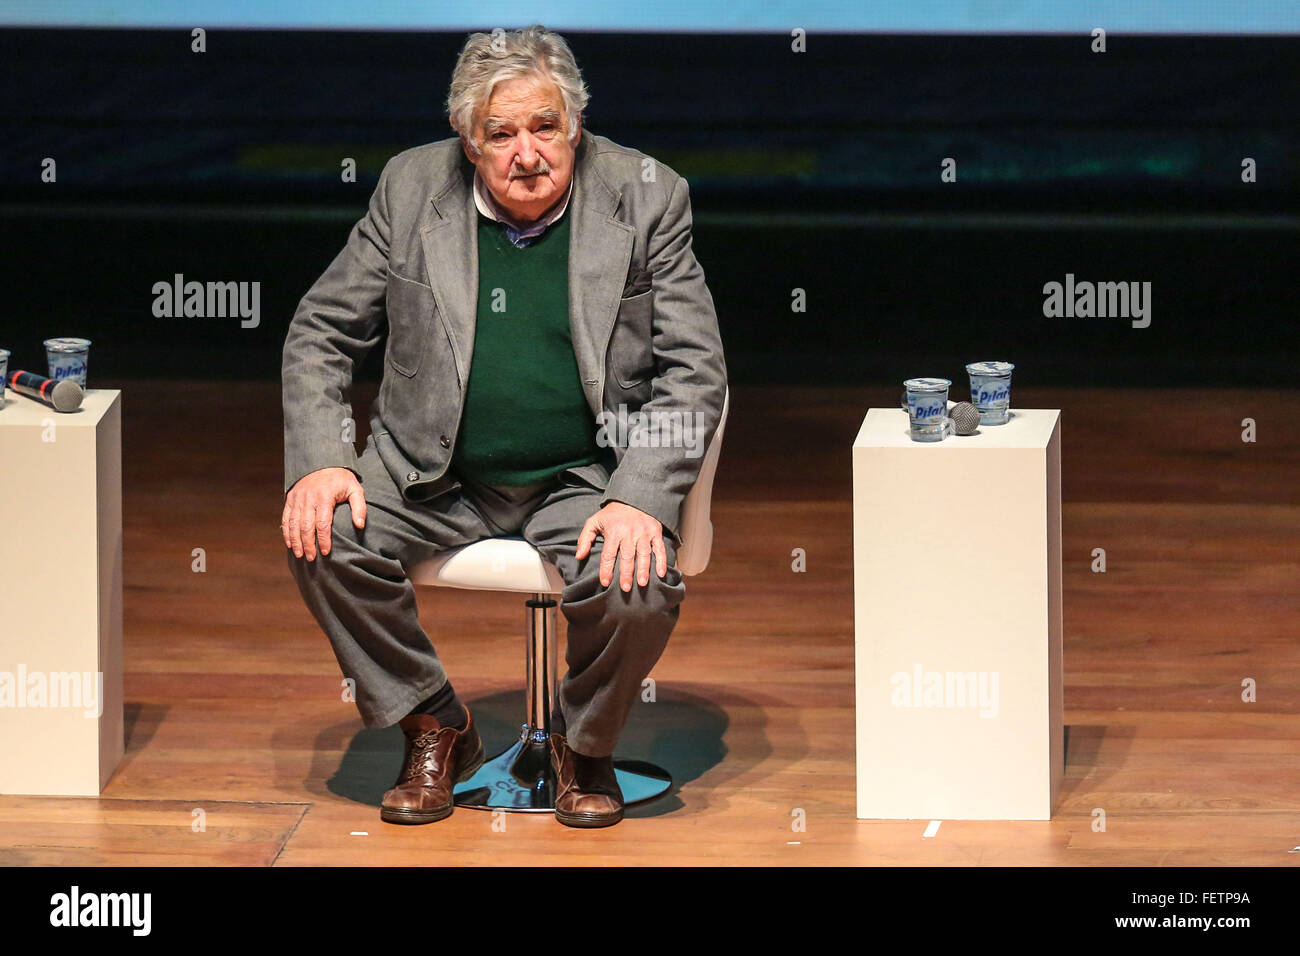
344 538
651 606
644 604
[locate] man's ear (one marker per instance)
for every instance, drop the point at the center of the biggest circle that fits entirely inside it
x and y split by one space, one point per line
469 154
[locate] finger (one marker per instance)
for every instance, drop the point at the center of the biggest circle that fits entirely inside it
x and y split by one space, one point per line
608 555
661 555
324 520
307 524
295 527
626 562
586 539
357 502
643 558
284 525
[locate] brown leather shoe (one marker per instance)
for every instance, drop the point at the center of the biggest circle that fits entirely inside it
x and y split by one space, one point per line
583 798
437 758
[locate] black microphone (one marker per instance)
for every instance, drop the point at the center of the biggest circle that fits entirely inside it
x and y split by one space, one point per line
64 396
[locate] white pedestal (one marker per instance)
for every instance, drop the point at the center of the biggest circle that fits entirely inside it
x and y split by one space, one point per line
957 618
61 730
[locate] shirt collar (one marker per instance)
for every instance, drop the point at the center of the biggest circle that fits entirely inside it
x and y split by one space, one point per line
518 235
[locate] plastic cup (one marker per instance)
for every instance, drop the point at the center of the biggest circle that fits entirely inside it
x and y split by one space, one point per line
927 408
68 358
990 390
4 373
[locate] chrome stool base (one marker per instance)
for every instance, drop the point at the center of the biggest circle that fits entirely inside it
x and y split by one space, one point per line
520 779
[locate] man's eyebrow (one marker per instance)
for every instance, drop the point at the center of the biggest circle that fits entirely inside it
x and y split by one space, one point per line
492 123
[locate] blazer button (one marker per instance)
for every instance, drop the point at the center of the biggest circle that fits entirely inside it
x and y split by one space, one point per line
412 476
444 441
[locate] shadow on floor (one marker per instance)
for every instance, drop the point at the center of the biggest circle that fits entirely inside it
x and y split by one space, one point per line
682 732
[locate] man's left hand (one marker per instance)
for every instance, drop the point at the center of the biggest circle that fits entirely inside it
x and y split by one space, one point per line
629 533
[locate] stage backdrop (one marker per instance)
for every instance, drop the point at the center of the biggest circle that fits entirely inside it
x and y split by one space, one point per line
880 190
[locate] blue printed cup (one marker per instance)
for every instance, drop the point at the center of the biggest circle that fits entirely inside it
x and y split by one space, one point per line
4 373
927 407
990 390
68 358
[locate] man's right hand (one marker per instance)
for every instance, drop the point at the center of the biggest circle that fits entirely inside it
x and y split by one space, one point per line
309 509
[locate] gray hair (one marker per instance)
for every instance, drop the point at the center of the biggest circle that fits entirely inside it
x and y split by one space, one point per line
487 60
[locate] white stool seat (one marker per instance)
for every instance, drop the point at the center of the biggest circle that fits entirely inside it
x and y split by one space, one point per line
493 564
512 564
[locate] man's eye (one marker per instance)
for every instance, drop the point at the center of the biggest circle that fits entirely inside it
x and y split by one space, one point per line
500 135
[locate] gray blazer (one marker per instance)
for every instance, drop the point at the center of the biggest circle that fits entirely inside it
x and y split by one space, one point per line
645 334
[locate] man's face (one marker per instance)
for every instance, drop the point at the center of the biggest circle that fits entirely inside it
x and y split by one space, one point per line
526 159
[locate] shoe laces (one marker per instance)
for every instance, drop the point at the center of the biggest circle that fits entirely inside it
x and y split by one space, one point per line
421 750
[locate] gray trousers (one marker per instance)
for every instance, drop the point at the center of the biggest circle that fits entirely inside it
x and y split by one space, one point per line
360 595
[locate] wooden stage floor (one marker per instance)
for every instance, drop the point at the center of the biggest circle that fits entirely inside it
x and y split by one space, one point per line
233 703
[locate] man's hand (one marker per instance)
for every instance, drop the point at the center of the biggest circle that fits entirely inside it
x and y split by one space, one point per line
628 533
309 509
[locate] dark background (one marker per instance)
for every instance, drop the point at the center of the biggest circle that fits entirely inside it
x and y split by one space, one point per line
817 170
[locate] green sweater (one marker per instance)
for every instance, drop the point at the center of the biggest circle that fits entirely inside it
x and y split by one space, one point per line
526 417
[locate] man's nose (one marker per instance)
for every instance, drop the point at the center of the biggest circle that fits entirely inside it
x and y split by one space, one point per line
526 155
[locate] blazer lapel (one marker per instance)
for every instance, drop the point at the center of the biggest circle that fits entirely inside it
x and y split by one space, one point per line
600 251
451 261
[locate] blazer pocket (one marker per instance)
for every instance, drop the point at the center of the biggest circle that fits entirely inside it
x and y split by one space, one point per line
638 282
631 347
410 307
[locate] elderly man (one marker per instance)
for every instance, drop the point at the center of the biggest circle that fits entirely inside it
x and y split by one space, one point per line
533 279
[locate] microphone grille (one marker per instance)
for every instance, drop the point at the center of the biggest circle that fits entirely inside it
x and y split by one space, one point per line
965 418
67 396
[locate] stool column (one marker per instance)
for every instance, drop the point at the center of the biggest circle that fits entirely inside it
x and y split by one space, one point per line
539 666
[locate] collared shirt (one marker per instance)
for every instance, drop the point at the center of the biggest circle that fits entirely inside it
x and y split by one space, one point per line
518 236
